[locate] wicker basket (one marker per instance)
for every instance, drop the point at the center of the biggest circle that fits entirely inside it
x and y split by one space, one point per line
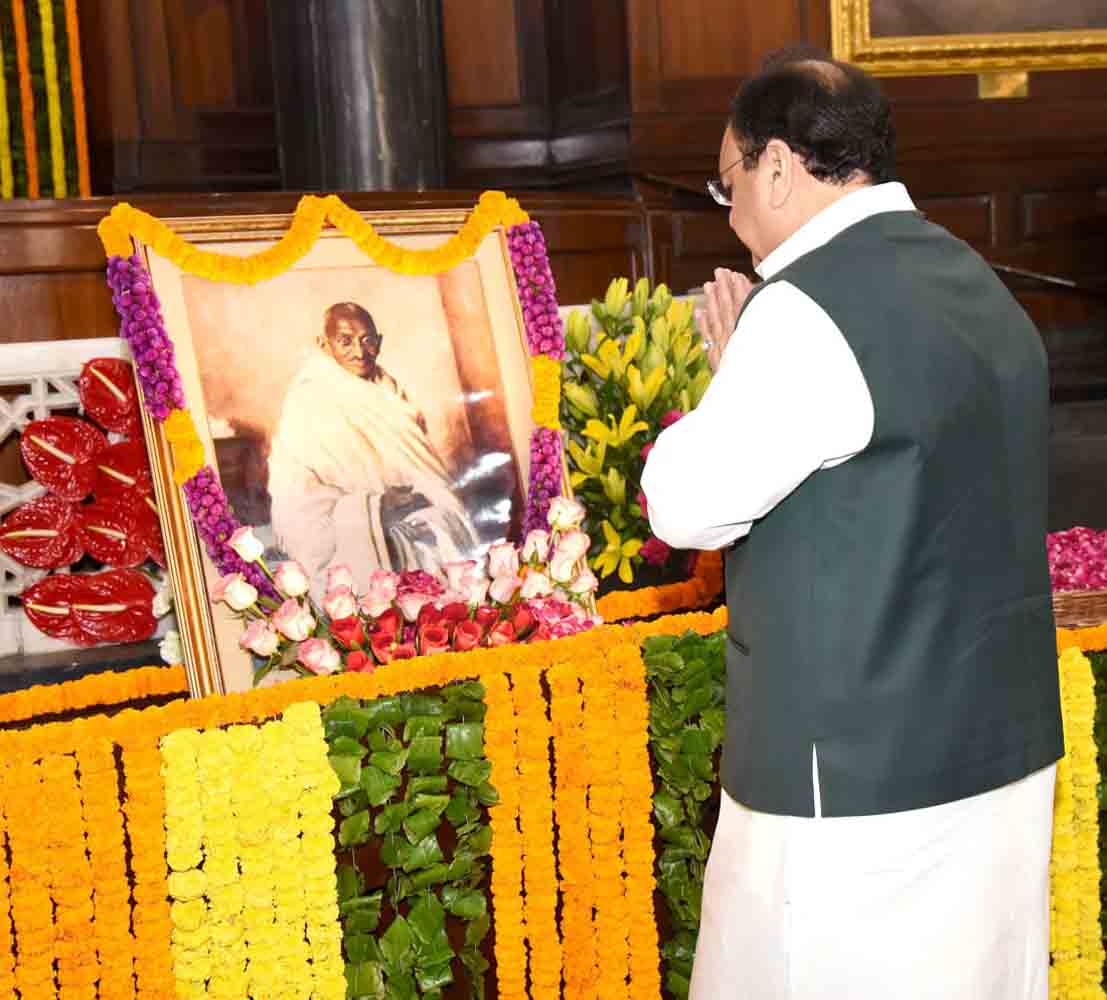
1079 608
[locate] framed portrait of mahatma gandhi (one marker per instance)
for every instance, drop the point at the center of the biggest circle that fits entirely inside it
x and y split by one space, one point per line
355 415
918 37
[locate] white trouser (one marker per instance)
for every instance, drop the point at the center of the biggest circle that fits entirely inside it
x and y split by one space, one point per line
945 903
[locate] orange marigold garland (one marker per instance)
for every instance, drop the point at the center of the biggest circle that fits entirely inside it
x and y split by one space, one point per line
144 809
507 848
7 939
536 824
704 586
111 893
605 815
32 908
574 852
78 968
632 715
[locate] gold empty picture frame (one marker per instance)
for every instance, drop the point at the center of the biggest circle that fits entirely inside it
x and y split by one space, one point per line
941 37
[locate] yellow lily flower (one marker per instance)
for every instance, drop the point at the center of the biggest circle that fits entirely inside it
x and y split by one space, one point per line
616 296
588 463
644 393
578 331
679 314
660 333
615 486
682 344
635 342
616 435
641 297
617 555
582 397
606 361
662 299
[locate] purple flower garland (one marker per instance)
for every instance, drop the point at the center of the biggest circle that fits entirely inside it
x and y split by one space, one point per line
545 335
143 327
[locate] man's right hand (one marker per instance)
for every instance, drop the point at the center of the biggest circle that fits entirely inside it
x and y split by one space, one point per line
724 298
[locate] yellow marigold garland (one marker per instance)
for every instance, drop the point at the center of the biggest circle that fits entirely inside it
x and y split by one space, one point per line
1076 944
574 852
632 722
111 893
507 848
7 938
185 445
547 391
251 920
312 212
605 818
536 824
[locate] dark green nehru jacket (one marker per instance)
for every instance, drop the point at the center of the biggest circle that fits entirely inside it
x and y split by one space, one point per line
894 612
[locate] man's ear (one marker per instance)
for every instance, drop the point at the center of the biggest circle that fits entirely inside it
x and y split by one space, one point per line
780 167
321 343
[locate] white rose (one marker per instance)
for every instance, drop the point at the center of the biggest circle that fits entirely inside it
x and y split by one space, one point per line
170 648
246 544
239 594
536 546
503 559
340 576
565 514
163 600
503 588
291 580
535 585
340 604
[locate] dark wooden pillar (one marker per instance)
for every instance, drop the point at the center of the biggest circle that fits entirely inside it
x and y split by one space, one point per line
360 92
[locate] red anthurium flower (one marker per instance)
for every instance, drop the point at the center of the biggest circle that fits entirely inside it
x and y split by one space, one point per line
43 533
434 639
501 634
148 526
360 662
467 635
59 453
123 468
109 533
348 632
108 395
113 606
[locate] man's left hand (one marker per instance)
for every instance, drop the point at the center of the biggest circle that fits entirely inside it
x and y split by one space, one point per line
724 298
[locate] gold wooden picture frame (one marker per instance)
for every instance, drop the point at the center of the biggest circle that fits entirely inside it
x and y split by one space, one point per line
452 343
859 37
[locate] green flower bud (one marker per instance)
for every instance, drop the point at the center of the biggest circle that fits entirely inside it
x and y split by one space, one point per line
616 297
661 300
578 332
581 397
641 297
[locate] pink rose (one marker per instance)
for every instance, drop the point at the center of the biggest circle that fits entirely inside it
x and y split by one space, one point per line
219 588
293 620
240 595
291 580
340 603
503 588
458 572
376 600
260 638
411 604
655 551
319 656
339 576
535 585
565 514
246 544
417 581
503 559
584 583
670 418
536 546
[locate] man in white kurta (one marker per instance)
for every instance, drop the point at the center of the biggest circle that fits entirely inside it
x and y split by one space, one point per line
353 476
949 902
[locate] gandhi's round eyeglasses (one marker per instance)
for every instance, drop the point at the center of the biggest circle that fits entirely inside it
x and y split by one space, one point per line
720 191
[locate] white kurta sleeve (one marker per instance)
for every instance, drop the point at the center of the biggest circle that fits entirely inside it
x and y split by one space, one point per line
789 398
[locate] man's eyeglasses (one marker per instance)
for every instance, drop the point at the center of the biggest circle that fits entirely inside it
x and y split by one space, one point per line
720 191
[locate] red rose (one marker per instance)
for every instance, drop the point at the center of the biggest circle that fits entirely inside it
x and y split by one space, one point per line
457 611
467 635
540 634
428 615
523 621
348 632
501 634
360 662
643 503
382 647
433 639
487 616
389 622
404 651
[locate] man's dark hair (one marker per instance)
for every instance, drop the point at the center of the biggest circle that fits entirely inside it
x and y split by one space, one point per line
352 313
833 115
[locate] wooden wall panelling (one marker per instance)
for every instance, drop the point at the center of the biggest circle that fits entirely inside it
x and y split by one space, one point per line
180 94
